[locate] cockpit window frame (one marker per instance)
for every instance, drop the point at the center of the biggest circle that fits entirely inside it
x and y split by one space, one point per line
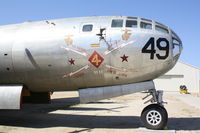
84 25
121 25
161 29
136 26
148 23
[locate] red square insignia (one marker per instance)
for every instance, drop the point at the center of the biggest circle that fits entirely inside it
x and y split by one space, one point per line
96 59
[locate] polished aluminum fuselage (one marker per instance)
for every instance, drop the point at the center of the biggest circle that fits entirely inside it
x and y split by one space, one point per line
38 54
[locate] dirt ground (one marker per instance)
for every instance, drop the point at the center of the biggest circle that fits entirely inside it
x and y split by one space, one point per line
116 115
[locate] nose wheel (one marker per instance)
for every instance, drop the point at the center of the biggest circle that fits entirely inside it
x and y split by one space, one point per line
154 116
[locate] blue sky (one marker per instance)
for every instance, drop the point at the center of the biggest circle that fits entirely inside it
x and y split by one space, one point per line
183 16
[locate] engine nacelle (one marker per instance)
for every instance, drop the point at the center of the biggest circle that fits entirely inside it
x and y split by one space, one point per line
11 97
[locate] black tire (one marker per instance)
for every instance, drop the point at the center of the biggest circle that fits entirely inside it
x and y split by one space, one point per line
152 122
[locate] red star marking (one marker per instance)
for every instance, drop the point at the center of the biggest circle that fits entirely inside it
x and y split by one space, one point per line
124 58
96 59
71 61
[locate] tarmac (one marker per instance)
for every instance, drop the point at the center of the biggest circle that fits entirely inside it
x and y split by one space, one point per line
116 115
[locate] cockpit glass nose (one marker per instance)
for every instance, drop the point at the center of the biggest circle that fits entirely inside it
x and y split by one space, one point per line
177 44
176 47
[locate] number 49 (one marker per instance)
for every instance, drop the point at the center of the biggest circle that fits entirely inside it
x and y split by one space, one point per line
152 51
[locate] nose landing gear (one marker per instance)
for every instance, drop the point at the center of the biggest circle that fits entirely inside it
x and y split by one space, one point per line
154 116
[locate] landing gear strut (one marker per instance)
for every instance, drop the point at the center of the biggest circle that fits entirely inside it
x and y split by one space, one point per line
154 116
